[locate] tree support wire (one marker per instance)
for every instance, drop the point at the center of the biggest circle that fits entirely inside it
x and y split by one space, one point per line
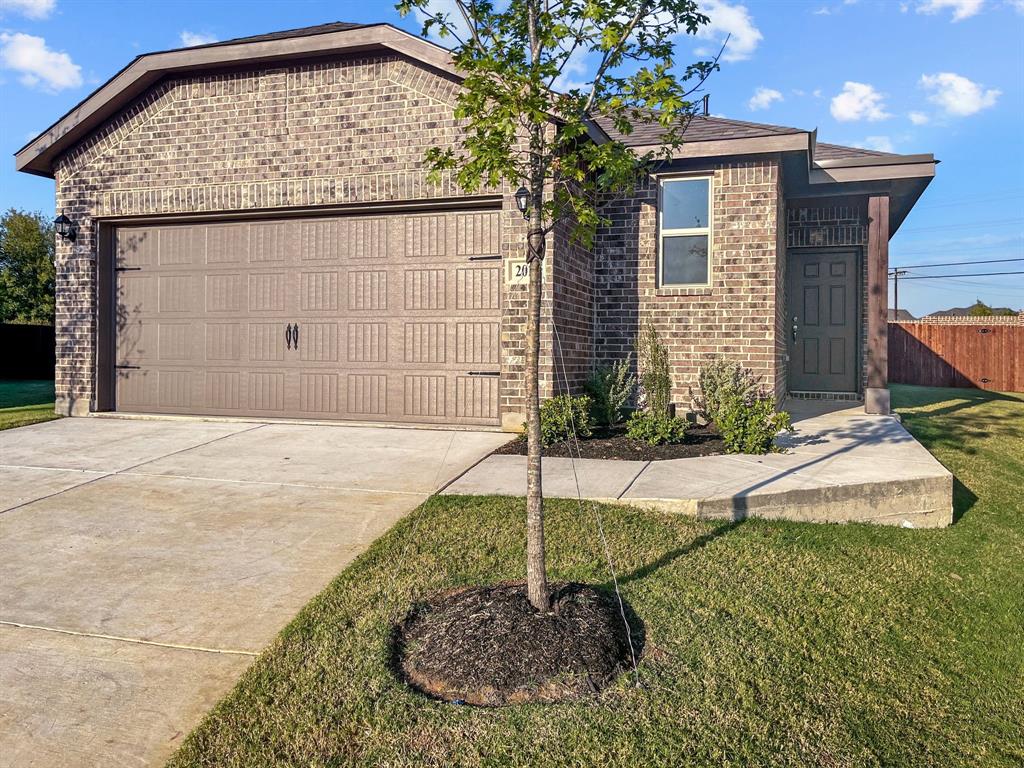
594 508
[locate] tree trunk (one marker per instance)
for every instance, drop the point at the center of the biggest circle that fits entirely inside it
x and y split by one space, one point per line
536 573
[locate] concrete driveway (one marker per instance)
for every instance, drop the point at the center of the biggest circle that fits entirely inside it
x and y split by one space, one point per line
144 563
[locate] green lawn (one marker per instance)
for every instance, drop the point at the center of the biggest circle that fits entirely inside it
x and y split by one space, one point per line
25 402
779 644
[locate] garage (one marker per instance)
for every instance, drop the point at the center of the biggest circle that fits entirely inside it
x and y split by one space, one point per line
390 317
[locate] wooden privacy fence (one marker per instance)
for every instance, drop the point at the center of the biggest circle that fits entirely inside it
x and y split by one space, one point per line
950 354
26 351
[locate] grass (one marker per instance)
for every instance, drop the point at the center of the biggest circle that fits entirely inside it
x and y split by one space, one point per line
768 644
25 402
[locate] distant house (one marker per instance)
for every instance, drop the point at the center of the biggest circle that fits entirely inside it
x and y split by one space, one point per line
257 235
977 309
900 315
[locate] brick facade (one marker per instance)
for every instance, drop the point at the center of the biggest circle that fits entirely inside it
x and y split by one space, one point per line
736 316
354 131
347 131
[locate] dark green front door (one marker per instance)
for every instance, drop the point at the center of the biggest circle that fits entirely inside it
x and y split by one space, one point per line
823 321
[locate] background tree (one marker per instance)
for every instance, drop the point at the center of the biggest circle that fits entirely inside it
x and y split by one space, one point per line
26 268
519 131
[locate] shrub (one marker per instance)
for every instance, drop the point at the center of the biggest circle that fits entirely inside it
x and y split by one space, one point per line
749 424
720 381
655 376
611 387
655 429
561 415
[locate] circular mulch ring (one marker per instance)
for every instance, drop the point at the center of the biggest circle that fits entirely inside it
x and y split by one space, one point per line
488 646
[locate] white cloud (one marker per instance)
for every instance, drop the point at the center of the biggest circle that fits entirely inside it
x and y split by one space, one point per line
918 118
877 143
957 95
37 64
574 72
858 101
962 9
1017 4
823 11
763 98
189 39
732 20
33 9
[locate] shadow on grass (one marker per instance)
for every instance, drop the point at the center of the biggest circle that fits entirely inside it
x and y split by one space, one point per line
963 499
671 556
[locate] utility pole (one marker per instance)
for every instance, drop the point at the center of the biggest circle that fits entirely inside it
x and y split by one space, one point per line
896 274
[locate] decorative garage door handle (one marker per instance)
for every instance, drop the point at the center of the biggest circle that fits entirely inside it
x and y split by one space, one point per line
288 335
295 335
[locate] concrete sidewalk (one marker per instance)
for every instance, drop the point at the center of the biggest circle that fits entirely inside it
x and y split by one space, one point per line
839 465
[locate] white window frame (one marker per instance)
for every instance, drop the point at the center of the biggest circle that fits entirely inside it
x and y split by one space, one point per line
663 232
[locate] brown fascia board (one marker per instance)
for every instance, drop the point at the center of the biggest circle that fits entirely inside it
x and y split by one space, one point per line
785 142
897 167
37 156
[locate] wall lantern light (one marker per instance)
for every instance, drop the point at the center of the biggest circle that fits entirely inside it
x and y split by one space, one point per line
65 227
523 200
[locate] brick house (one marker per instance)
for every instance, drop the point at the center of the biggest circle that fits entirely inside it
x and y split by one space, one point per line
257 236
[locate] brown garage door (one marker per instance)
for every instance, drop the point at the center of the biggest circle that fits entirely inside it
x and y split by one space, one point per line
385 318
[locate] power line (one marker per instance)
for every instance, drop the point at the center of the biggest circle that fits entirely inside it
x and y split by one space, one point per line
975 225
969 274
955 264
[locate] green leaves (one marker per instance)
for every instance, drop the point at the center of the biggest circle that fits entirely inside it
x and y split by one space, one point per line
521 130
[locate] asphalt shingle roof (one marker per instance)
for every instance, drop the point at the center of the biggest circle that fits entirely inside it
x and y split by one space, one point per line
319 29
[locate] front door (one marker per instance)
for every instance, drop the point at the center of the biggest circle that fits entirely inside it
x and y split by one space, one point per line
823 321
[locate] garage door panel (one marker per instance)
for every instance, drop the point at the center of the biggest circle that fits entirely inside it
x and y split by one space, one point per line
393 314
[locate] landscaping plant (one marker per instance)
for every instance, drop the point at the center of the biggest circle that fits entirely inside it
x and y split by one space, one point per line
564 415
719 381
731 397
519 131
654 423
611 387
749 423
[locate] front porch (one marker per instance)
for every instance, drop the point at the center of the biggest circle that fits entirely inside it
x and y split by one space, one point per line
839 465
836 300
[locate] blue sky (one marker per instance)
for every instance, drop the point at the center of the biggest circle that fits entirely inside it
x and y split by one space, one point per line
940 76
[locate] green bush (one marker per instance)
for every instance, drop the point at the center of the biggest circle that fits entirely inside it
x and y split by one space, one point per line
656 429
561 415
655 375
611 387
721 380
749 424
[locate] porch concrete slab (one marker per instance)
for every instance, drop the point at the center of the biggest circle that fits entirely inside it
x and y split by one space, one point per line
839 465
209 563
361 458
83 701
506 476
21 485
106 445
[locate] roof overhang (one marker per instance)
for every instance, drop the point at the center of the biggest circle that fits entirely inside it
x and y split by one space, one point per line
144 71
785 142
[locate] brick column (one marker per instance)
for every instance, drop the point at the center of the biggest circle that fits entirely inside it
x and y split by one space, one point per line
876 396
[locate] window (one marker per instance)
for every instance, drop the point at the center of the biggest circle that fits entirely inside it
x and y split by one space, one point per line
685 232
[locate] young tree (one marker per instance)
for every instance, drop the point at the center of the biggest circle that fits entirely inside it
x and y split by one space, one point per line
521 131
26 268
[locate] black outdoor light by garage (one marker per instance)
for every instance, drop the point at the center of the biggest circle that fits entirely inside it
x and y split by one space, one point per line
65 227
523 200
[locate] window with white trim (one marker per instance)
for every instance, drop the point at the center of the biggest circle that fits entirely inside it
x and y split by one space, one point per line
684 225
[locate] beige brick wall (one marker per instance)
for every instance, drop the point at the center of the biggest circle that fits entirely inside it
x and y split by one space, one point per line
736 316
351 131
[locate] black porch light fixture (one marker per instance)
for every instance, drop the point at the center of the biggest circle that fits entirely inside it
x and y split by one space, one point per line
523 200
65 227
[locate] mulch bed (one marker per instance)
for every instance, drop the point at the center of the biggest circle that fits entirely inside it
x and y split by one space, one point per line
488 646
613 444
